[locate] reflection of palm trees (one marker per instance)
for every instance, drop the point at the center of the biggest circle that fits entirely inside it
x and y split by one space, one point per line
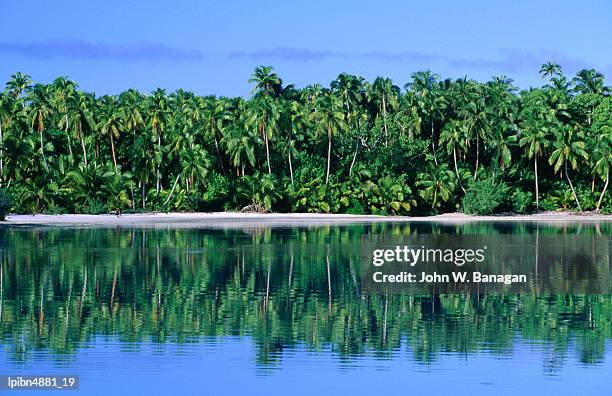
185 283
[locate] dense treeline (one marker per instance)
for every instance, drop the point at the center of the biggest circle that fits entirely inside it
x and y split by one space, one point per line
284 288
353 147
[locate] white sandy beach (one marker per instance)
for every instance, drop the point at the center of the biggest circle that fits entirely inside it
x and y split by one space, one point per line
236 219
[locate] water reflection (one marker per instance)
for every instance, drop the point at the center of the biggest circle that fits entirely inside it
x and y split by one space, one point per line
289 290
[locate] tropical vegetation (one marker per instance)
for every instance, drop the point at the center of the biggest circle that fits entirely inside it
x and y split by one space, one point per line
352 147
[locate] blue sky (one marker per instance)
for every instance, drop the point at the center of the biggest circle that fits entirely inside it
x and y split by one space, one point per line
211 47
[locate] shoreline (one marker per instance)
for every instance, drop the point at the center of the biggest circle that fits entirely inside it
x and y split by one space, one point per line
238 219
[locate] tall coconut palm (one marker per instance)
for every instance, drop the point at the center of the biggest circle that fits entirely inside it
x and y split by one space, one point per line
330 120
63 89
385 94
536 138
453 135
214 117
110 123
80 117
157 112
40 109
264 118
428 100
568 149
349 89
5 115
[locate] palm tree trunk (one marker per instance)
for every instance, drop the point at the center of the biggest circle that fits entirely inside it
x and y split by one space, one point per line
290 165
69 140
172 191
477 156
433 144
354 158
219 155
110 134
603 193
143 196
384 106
572 187
457 169
42 150
1 156
267 152
537 187
329 143
83 146
158 175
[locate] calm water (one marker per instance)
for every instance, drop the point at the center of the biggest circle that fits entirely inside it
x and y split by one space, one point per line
269 310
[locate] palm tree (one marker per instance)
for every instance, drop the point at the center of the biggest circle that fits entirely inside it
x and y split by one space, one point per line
5 114
438 184
64 88
240 146
473 112
330 120
266 81
590 81
454 136
550 69
111 124
535 130
568 149
131 102
40 110
386 95
157 112
264 118
18 84
215 115
349 89
80 116
428 101
603 156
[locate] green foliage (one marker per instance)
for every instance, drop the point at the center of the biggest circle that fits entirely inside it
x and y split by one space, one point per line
216 192
521 201
484 196
352 147
5 203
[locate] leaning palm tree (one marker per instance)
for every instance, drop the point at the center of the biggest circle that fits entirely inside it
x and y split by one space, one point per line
330 120
568 149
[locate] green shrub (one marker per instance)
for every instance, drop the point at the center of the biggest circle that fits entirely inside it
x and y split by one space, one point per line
521 201
216 192
587 198
92 206
5 203
484 196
